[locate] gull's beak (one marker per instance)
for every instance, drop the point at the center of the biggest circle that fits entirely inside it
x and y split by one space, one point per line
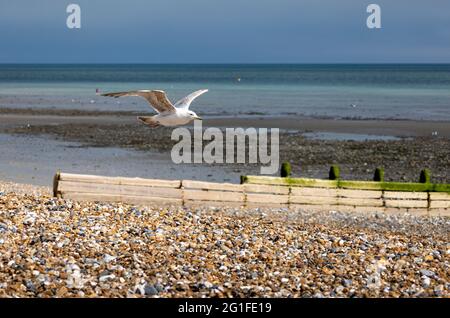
198 118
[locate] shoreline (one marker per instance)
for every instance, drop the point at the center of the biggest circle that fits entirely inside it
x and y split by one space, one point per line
391 127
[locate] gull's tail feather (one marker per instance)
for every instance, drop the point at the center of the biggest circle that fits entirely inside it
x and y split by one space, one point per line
149 121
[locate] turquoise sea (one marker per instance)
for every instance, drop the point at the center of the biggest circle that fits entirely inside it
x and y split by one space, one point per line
390 91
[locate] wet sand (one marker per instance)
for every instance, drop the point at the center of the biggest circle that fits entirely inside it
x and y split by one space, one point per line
401 128
91 139
35 160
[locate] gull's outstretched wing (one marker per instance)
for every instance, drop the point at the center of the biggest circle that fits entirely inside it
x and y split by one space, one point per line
186 101
157 99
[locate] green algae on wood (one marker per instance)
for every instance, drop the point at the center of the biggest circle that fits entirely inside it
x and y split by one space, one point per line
285 170
349 184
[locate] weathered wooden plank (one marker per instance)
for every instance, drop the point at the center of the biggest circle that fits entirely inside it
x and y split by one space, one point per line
202 195
391 203
368 209
360 185
293 182
439 196
406 195
348 184
316 192
403 210
390 186
138 200
251 205
212 204
419 211
261 188
267 198
295 199
340 208
353 193
360 202
119 180
311 207
191 184
439 212
118 189
395 210
434 204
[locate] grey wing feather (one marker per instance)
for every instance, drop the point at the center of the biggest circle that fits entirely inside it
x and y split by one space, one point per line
185 102
157 99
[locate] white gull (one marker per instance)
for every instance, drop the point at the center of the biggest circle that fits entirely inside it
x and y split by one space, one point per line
168 114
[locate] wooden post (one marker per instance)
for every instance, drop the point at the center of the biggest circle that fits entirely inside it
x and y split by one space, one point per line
285 170
55 184
425 176
334 172
379 174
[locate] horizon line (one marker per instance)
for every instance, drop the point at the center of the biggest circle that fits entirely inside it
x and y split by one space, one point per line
226 63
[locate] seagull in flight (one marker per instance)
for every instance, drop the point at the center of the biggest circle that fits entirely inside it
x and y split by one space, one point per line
169 115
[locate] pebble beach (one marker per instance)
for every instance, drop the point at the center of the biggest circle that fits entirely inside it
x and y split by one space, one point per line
60 248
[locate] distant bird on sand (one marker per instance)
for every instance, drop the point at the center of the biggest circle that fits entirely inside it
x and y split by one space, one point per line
168 114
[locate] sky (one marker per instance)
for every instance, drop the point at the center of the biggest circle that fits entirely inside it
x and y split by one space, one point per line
224 31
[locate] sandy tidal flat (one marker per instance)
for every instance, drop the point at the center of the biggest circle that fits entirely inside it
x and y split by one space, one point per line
88 142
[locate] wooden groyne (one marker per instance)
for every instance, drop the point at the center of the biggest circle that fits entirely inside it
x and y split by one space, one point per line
419 198
259 191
